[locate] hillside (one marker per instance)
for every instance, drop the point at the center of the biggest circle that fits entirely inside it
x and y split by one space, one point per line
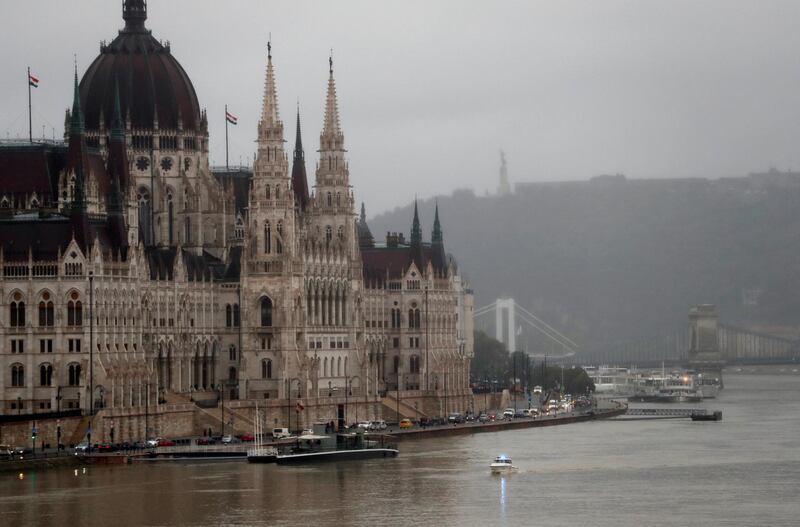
612 260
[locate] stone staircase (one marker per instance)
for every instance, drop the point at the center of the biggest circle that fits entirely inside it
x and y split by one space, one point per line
390 408
80 431
213 416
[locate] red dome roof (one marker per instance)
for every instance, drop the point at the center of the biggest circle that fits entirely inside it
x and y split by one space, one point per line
151 82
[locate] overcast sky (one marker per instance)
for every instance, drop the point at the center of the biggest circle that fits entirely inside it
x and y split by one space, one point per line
430 91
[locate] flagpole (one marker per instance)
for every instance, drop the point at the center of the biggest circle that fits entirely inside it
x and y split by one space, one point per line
226 138
30 118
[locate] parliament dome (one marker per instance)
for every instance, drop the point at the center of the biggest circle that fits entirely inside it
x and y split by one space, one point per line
152 84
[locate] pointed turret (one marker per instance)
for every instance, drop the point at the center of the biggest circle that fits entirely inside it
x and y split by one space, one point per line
415 251
269 112
436 235
331 127
416 231
437 246
365 239
77 164
117 168
76 117
299 179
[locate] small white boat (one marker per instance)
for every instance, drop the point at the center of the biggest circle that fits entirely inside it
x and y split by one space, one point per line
502 465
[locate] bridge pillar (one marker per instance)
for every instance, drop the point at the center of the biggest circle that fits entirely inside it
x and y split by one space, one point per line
704 351
505 329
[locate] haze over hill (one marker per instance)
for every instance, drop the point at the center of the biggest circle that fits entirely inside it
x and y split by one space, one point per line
613 260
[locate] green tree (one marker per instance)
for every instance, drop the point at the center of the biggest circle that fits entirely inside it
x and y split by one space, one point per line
490 361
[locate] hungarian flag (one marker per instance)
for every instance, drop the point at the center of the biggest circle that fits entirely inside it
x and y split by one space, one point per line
299 408
231 118
33 81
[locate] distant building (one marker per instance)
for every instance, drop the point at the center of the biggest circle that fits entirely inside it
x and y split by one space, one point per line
504 188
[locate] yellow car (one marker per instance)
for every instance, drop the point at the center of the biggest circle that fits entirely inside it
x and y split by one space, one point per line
406 423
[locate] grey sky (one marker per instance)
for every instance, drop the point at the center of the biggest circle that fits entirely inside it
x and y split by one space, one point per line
430 91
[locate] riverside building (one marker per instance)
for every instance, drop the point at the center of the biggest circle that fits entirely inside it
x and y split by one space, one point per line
142 286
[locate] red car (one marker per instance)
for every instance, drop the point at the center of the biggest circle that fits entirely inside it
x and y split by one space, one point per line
166 442
247 437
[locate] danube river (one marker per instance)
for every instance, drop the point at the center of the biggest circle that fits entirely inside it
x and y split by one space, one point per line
744 471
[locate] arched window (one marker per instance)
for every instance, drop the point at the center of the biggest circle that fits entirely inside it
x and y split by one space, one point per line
328 233
325 369
339 367
228 316
17 375
45 375
232 352
267 238
143 200
170 217
279 238
46 313
267 192
338 199
277 192
231 373
17 311
266 312
266 369
236 315
330 199
187 235
74 311
74 376
340 232
414 364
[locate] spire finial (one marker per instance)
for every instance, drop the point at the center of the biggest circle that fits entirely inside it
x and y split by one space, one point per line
416 231
330 63
269 47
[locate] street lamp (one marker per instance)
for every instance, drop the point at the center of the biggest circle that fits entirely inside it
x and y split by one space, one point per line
91 342
222 404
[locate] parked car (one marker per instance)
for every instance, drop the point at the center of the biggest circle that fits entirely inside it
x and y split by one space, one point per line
492 417
537 389
364 425
483 418
166 442
204 441
280 433
455 418
377 425
508 413
105 447
6 452
519 414
153 442
247 438
227 440
406 423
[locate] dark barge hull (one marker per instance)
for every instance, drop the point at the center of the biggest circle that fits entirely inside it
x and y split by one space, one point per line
336 455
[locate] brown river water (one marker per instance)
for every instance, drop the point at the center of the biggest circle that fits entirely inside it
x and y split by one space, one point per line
743 471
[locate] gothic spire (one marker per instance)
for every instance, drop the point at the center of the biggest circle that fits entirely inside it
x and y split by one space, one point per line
269 113
416 231
76 120
331 128
299 181
436 236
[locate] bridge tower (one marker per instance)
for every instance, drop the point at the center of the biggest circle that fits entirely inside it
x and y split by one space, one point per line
704 351
505 327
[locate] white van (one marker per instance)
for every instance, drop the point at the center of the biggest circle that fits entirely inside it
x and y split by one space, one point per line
280 433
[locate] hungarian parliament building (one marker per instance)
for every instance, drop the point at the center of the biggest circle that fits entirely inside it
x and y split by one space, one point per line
137 278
